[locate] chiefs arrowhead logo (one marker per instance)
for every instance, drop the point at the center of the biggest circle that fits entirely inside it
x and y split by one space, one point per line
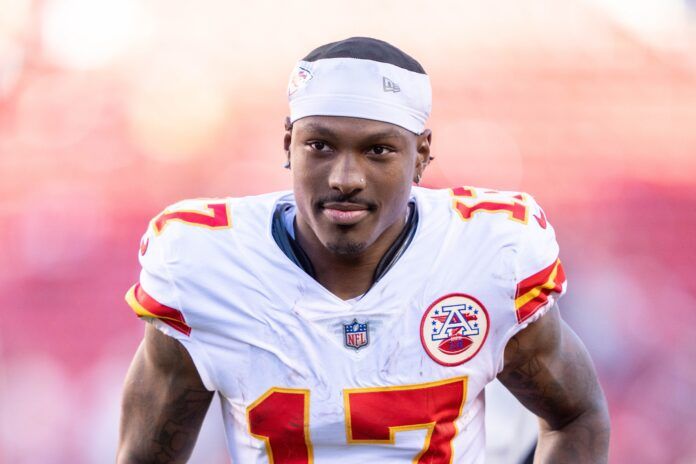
298 79
541 219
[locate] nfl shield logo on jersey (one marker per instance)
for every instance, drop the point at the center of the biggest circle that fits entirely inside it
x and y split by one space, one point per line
355 334
454 328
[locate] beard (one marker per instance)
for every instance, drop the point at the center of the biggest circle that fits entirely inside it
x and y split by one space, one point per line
346 248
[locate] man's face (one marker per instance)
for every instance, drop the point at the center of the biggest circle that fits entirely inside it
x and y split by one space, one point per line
352 178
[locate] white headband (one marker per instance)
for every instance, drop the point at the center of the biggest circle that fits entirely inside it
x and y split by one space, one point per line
361 89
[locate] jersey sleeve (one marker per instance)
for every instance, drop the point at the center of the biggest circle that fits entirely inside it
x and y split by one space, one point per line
539 275
539 279
155 299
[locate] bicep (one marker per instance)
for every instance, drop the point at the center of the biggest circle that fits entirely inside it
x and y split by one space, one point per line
549 370
164 402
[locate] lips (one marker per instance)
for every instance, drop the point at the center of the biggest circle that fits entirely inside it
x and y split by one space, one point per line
344 214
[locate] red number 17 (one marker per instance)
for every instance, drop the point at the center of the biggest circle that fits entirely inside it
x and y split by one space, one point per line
373 415
218 218
513 205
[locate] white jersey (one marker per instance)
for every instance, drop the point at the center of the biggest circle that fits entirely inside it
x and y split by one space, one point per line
395 376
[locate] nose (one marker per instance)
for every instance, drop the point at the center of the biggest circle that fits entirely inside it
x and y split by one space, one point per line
347 174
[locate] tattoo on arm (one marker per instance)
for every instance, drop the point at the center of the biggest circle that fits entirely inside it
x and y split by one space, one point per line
182 420
164 404
548 369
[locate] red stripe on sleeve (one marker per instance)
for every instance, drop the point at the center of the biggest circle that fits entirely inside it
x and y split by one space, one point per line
170 316
539 283
533 281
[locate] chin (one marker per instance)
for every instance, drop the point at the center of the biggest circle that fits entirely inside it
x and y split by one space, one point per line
346 248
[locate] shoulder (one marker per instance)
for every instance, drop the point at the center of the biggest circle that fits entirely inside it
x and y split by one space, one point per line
500 223
198 217
191 245
206 213
484 209
519 220
186 234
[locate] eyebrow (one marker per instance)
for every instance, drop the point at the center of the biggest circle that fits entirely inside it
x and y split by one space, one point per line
319 129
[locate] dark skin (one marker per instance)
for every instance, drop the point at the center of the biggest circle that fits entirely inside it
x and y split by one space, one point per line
164 403
549 370
344 163
352 181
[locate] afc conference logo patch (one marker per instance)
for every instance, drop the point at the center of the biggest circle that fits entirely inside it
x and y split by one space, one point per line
454 328
355 334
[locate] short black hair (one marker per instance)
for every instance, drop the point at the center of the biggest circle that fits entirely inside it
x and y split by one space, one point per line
366 48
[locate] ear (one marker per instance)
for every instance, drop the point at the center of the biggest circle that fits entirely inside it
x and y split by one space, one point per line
423 157
287 140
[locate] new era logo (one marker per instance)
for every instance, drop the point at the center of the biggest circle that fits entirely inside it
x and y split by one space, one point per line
389 85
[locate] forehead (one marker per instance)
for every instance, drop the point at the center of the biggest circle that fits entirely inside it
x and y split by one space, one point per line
343 126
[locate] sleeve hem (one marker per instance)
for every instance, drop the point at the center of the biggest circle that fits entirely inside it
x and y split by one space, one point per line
145 306
517 328
197 353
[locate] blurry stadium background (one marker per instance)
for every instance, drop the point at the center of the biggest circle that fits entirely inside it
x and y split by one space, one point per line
112 109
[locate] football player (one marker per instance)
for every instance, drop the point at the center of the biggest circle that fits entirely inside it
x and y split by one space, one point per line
356 317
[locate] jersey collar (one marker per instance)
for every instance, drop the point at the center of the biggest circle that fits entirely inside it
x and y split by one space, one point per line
291 248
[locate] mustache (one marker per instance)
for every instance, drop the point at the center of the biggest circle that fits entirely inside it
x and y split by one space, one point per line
346 198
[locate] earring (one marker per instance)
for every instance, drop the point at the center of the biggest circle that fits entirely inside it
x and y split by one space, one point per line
287 164
418 178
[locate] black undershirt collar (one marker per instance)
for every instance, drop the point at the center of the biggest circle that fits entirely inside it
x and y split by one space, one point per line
296 254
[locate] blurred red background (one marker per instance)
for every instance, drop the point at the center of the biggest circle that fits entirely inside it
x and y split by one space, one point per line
110 110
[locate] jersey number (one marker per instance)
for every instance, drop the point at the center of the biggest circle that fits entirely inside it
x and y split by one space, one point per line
280 418
513 205
217 218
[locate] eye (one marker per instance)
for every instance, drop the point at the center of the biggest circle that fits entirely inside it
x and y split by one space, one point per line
318 145
380 150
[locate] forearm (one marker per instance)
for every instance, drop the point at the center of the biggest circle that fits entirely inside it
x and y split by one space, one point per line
582 440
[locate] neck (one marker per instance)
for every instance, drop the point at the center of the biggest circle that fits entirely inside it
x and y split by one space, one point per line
346 276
